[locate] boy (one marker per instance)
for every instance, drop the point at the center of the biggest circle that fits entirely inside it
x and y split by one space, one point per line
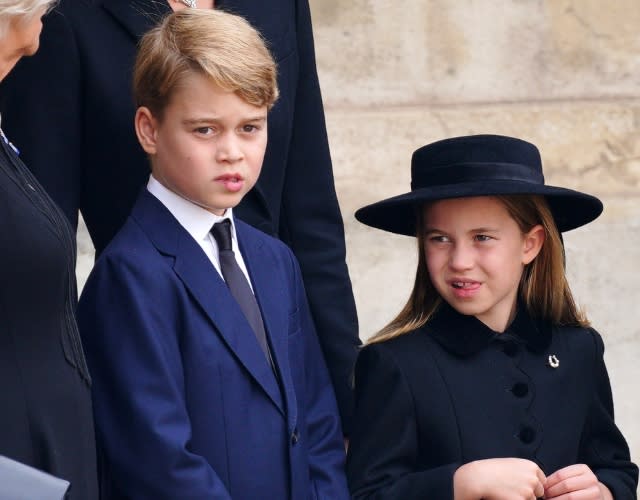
206 387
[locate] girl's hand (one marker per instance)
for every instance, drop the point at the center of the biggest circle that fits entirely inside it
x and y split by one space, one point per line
499 479
575 482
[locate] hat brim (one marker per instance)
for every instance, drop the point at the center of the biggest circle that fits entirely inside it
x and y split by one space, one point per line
571 209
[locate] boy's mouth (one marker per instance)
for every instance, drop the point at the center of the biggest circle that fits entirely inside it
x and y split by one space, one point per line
233 182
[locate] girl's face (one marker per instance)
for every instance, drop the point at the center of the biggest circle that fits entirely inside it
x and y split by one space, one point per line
475 254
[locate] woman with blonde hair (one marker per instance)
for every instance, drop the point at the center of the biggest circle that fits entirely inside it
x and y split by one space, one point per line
46 419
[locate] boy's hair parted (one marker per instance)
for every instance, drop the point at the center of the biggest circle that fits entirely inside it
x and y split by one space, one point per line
543 288
210 42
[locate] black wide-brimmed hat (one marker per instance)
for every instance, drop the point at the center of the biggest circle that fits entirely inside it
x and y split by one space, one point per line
477 165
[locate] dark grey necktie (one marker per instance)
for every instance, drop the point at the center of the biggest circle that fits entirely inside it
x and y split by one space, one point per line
238 284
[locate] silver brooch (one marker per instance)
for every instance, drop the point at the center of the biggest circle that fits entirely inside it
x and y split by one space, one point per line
553 361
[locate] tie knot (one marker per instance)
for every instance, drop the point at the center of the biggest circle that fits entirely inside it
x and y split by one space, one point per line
221 232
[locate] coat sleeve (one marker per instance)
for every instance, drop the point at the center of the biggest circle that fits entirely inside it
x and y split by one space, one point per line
383 458
312 224
128 318
324 437
603 447
41 112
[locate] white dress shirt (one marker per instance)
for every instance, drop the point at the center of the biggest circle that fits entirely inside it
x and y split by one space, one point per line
198 223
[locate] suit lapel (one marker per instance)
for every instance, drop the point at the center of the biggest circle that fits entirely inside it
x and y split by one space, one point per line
271 293
137 16
208 290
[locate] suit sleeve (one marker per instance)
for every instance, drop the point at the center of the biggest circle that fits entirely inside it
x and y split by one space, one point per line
323 431
603 448
313 223
132 346
383 458
41 113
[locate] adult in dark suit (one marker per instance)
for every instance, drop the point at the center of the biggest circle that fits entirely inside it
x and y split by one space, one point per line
46 419
490 383
71 110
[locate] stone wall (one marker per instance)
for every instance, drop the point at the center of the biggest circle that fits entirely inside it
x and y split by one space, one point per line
563 74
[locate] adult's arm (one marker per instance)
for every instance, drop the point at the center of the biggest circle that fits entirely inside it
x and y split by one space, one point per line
128 322
40 104
313 226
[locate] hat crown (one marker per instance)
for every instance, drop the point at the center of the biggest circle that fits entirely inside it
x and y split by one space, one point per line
476 158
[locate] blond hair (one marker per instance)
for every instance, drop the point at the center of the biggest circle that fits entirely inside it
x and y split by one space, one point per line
219 45
543 287
22 11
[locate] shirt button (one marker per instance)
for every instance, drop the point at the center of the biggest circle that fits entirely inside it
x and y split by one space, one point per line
527 435
520 389
295 437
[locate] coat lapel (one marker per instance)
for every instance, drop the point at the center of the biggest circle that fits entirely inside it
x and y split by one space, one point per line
208 290
272 294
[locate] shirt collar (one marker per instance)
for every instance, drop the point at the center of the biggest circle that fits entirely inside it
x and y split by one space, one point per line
196 220
466 335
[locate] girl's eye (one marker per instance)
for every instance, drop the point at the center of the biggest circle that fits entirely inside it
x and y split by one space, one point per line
438 238
249 128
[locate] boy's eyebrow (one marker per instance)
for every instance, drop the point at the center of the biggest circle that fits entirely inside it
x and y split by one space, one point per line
204 120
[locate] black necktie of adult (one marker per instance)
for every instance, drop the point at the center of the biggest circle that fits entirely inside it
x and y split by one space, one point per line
238 284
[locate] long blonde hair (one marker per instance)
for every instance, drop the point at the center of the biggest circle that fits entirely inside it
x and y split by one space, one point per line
543 287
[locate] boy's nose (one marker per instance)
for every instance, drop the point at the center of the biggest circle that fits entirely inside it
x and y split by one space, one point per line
228 149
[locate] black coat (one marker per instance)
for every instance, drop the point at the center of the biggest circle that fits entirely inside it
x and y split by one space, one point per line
454 391
46 419
70 109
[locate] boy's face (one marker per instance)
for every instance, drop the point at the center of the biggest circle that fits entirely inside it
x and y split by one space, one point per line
208 146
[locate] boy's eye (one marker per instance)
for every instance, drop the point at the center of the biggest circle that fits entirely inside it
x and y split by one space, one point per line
204 130
249 128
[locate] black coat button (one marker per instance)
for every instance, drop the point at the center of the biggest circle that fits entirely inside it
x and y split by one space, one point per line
510 349
520 389
295 437
527 435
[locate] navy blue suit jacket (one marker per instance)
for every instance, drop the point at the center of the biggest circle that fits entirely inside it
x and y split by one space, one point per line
186 404
70 111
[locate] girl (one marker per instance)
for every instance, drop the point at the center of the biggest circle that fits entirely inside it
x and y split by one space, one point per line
489 384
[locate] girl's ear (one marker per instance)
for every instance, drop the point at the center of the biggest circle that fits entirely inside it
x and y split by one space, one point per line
533 241
146 129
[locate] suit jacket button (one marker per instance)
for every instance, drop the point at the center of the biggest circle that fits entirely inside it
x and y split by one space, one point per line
295 436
